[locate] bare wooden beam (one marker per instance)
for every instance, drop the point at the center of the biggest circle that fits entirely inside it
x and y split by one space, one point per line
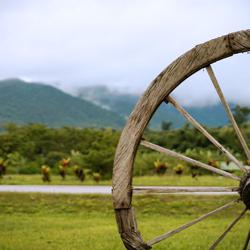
228 110
222 236
173 190
189 224
198 126
187 159
247 241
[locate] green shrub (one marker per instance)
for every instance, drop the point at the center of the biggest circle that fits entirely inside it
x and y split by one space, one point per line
45 173
77 158
2 167
97 177
79 172
28 170
16 163
160 167
144 162
179 169
53 157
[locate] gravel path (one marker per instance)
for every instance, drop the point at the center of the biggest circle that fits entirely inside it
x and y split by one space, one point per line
57 189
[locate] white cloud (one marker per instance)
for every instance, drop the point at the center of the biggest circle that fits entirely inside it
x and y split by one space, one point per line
124 44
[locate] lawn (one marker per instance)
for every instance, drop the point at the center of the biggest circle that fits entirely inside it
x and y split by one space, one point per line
168 180
45 221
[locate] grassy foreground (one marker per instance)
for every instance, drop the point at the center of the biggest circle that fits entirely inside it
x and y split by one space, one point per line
43 221
167 180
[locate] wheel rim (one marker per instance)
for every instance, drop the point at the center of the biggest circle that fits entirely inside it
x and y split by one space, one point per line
183 67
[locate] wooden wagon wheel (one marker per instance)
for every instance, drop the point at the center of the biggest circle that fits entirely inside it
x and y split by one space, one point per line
201 56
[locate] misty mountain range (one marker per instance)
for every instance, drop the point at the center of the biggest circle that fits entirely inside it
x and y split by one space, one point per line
97 106
22 103
122 104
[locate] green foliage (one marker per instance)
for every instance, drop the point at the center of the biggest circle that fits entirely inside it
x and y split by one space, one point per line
165 126
97 177
77 158
241 114
147 180
53 157
2 167
26 148
36 145
45 173
79 173
160 167
144 162
179 169
100 156
16 163
62 171
24 221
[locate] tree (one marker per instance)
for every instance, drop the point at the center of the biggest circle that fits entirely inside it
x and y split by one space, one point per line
165 126
241 114
2 167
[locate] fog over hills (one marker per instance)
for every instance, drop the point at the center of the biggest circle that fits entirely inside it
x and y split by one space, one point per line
124 46
123 103
93 106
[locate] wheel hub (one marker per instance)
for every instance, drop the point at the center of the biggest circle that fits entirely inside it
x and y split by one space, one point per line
245 190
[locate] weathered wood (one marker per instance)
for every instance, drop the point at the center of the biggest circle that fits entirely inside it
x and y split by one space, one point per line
222 236
188 160
189 224
179 190
239 41
229 114
198 126
128 230
197 58
183 67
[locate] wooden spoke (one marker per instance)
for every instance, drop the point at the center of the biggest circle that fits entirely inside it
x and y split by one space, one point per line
187 159
169 79
182 190
247 241
189 224
228 110
222 236
198 126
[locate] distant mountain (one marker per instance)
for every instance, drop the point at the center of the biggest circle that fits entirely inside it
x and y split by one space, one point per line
97 106
123 104
119 103
211 116
22 102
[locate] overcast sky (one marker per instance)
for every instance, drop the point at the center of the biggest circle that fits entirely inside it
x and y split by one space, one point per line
121 44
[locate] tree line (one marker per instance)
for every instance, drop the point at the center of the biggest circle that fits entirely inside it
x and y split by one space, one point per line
26 148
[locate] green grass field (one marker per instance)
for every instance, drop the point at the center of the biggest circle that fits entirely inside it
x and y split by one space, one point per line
42 221
168 180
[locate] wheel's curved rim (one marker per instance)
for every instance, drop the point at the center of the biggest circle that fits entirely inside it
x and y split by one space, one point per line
183 67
